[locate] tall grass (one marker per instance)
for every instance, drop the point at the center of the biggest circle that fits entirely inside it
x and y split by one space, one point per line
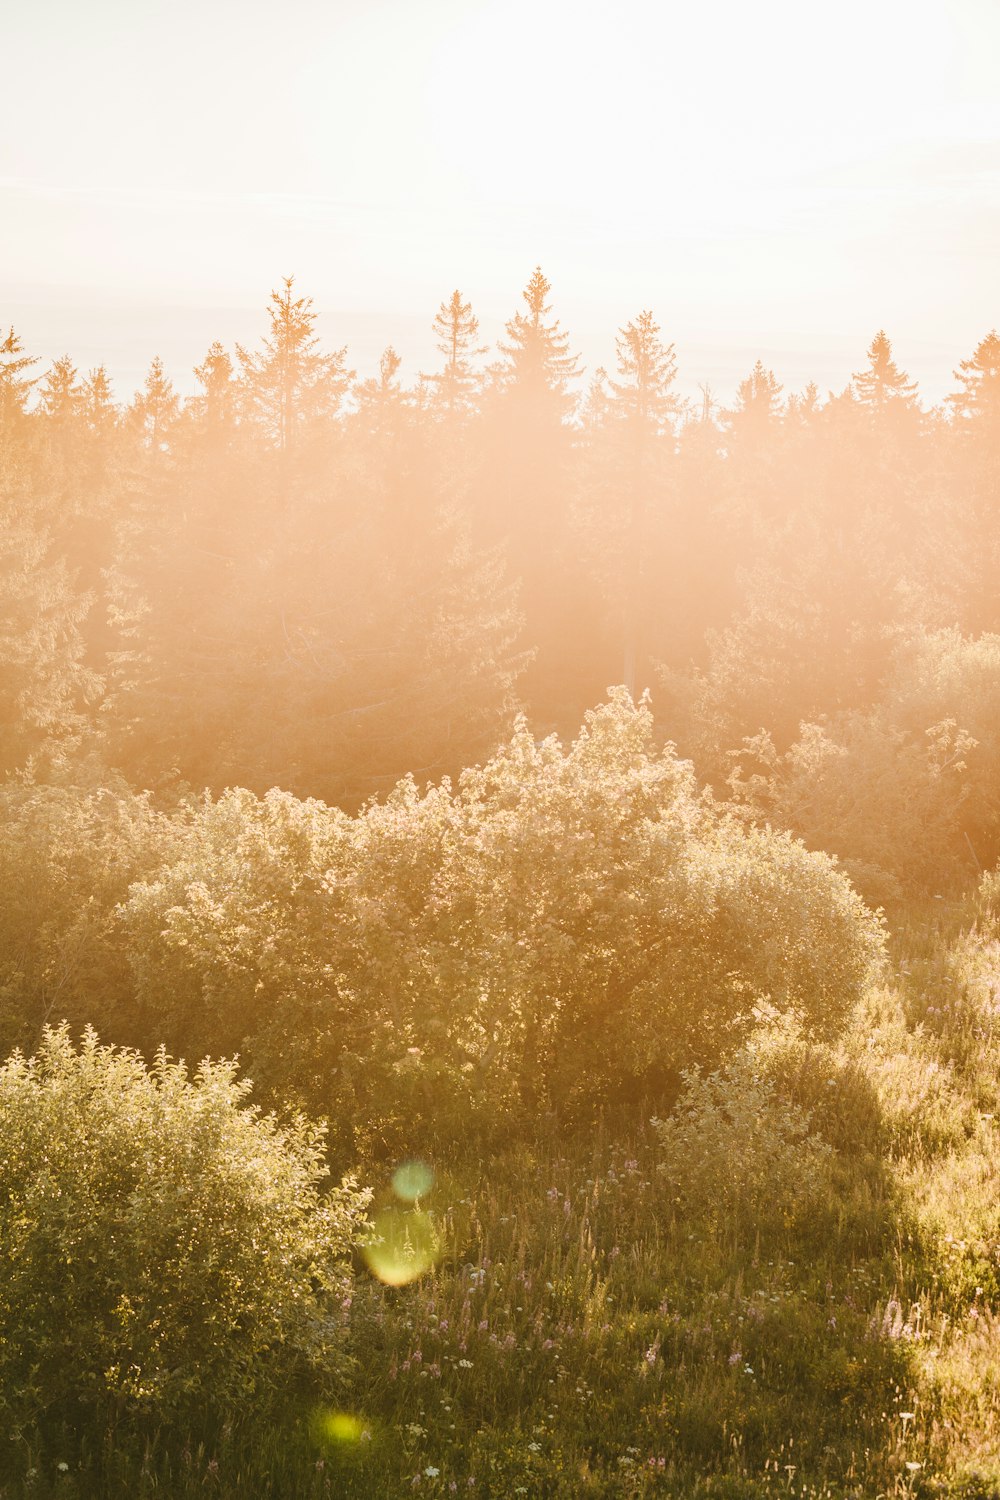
605 1320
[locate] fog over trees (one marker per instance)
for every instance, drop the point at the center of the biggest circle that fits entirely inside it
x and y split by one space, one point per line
577 810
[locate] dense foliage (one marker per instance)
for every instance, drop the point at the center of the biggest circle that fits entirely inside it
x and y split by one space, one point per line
684 1156
165 1250
303 579
564 929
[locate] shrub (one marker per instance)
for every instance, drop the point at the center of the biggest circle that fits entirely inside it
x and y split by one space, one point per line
733 1143
565 927
68 856
886 801
165 1249
943 675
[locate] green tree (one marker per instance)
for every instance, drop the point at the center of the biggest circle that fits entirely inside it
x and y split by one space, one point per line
45 683
538 366
214 408
289 386
15 384
524 495
641 413
456 333
758 405
155 408
98 400
978 398
883 383
60 397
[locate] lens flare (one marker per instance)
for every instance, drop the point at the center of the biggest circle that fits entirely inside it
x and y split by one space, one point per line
412 1180
406 1246
337 1429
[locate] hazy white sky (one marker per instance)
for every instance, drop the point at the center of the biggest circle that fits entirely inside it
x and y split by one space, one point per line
779 178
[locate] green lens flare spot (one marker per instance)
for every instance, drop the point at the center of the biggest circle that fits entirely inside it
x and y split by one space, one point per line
412 1180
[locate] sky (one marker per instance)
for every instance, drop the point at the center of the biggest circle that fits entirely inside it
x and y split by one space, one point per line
776 180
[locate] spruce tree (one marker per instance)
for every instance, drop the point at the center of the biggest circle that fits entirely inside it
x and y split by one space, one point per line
883 383
456 332
289 386
978 400
155 408
15 383
538 366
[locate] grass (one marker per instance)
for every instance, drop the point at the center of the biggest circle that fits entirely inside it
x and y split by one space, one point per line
595 1326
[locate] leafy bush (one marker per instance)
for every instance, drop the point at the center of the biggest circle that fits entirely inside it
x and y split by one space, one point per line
164 1248
565 927
733 1143
885 800
943 675
68 856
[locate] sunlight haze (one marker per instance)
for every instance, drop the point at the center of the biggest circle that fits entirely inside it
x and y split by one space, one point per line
779 179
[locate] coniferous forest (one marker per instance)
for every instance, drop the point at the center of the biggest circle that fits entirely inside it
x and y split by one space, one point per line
500 939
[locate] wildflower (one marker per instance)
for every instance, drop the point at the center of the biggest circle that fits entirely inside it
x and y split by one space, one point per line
534 1447
465 1364
431 1472
63 1468
735 1357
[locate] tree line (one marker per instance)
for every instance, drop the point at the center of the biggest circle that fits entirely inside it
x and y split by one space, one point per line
303 579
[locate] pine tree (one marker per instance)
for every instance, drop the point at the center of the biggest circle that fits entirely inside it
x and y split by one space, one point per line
61 395
979 378
975 526
383 392
758 397
883 383
154 408
539 366
526 494
44 683
98 402
15 386
630 466
214 408
456 330
647 368
289 385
